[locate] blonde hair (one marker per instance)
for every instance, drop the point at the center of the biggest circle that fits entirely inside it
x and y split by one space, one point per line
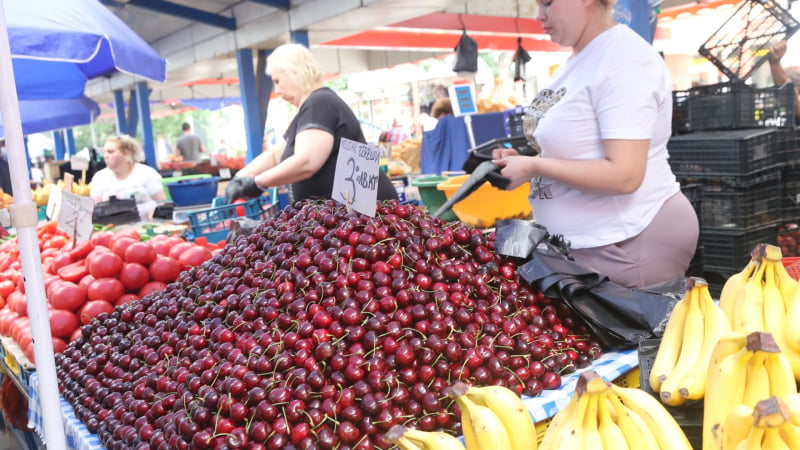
128 146
297 62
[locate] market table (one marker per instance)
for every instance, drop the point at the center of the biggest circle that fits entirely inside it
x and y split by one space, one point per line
611 366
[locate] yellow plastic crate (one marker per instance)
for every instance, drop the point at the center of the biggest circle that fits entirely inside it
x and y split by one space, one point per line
484 207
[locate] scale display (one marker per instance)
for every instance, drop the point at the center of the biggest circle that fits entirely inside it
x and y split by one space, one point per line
462 99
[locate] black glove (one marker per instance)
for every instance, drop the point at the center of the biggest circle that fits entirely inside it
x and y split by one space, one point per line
242 187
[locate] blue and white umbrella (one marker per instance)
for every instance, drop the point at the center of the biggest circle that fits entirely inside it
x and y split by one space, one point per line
49 49
39 116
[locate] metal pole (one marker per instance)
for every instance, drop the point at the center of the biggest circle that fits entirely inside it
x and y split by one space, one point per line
24 218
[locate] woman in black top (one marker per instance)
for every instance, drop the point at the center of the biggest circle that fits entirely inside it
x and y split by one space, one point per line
306 159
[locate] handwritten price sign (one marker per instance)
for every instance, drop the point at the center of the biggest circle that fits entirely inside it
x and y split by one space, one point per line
75 216
355 182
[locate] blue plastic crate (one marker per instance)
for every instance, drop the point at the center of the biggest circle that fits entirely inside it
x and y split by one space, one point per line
215 223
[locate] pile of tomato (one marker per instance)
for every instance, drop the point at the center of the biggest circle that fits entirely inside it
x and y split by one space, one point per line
85 279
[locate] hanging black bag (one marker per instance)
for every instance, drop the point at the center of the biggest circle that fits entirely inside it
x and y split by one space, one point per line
466 59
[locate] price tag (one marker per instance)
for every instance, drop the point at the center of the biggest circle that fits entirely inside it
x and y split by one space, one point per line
463 96
75 216
78 163
53 202
224 173
355 182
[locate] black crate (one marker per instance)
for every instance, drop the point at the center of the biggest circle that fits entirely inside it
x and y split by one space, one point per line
791 192
689 415
734 105
726 206
787 145
733 154
680 112
727 251
694 192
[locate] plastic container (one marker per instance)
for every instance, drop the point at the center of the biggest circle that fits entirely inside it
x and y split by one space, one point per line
484 207
196 191
737 105
168 180
431 197
214 223
737 155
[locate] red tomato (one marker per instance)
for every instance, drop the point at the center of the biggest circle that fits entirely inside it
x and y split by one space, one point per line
29 352
73 272
76 334
153 286
102 238
6 318
67 296
120 243
161 247
6 287
25 338
104 264
62 322
18 325
140 252
57 241
86 281
16 301
81 250
177 249
165 269
125 299
133 276
93 309
59 345
131 233
108 289
175 240
60 260
194 256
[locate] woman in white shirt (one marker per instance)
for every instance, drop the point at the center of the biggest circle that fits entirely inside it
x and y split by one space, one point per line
603 179
124 178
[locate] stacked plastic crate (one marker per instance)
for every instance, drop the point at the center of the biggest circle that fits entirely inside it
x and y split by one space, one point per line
726 139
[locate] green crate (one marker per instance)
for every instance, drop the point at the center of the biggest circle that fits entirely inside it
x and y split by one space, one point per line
432 197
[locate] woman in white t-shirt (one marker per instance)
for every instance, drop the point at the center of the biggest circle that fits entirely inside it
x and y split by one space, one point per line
602 179
124 178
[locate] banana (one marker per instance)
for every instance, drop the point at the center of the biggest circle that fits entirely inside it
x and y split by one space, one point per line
591 431
487 428
512 412
781 378
693 385
637 435
725 389
403 443
433 440
668 433
670 347
775 317
611 434
786 284
748 312
792 402
397 435
773 440
569 433
738 423
753 440
756 386
733 285
690 345
791 330
790 434
729 343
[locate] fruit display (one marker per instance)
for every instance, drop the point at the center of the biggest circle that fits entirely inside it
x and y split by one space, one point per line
412 439
771 424
324 328
410 152
762 297
695 325
85 279
41 194
744 376
601 415
789 239
5 199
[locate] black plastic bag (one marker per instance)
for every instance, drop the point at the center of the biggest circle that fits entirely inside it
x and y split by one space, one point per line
466 59
521 57
620 317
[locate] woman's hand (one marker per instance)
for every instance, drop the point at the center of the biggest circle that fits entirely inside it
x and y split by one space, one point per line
515 167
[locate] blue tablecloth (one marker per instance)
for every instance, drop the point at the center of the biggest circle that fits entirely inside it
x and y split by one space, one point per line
610 366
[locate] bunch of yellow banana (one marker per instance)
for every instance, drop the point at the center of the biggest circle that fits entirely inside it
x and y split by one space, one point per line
680 369
745 376
761 298
771 425
493 417
411 439
601 415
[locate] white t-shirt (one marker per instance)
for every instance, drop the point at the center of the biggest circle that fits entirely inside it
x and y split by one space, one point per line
617 87
141 185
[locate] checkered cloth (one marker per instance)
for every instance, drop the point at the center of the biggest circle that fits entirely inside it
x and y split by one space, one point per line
610 366
76 434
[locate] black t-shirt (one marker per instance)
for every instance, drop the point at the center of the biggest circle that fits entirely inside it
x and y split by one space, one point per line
325 110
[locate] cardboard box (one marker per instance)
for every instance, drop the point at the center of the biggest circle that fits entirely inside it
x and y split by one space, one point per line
52 169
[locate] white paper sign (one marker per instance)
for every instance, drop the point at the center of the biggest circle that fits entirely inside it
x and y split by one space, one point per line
53 202
224 173
75 216
355 182
77 163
